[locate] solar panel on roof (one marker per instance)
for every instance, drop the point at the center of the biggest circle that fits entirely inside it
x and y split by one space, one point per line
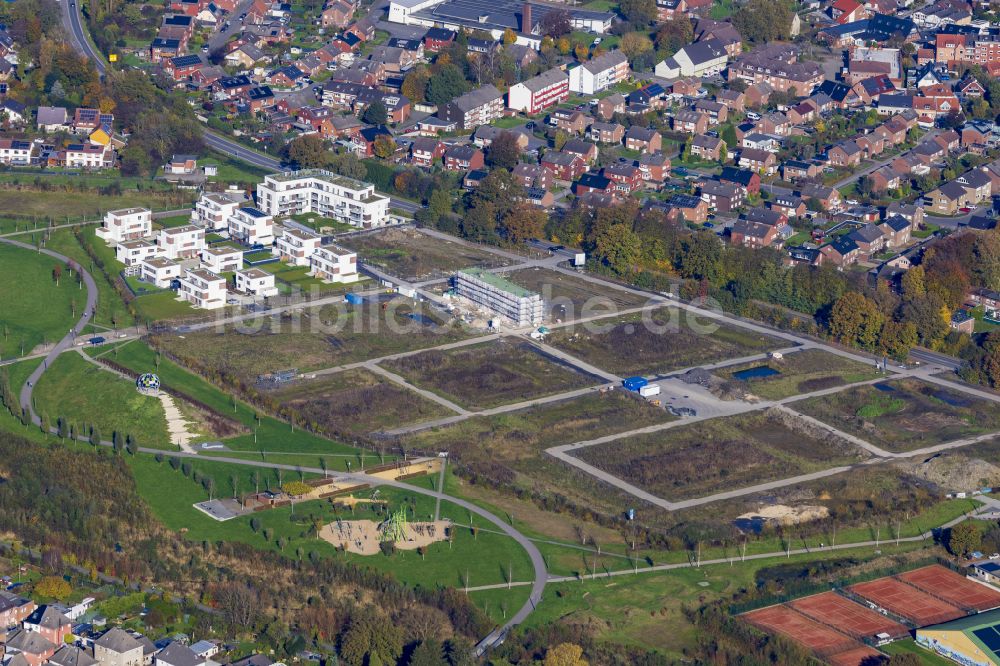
989 637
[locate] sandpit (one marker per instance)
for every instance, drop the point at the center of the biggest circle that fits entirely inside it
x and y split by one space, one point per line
788 515
363 537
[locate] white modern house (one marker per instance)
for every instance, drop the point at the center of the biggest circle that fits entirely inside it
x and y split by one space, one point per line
133 253
202 288
296 246
184 242
602 72
88 156
255 282
251 226
222 259
705 58
159 271
126 224
324 193
334 264
213 210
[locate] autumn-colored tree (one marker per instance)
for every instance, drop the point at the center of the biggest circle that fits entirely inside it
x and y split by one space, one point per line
415 84
565 654
963 539
384 146
53 587
308 151
523 223
509 37
856 320
635 44
563 45
620 248
296 488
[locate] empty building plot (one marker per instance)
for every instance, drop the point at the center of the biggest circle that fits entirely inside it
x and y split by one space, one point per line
819 638
847 616
906 601
952 587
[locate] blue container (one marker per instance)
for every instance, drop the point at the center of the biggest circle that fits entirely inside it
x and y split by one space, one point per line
634 383
354 299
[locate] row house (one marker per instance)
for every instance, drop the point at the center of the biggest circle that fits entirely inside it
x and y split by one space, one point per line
626 176
748 179
540 92
947 199
690 122
723 197
655 167
643 139
584 149
707 147
761 161
778 66
747 233
717 111
569 120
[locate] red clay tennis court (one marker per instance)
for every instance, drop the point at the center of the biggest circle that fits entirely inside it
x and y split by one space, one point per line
852 657
783 620
952 587
907 601
835 611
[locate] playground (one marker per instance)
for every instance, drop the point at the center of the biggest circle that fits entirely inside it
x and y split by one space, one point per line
365 537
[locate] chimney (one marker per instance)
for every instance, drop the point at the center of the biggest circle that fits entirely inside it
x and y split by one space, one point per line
526 19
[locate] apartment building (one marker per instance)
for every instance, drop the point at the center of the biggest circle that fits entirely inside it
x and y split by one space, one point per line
326 194
255 282
213 210
476 107
126 224
117 647
184 242
778 66
251 226
515 304
599 74
539 92
296 246
334 264
222 259
159 271
202 288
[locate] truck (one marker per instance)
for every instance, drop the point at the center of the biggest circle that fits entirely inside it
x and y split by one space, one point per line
649 390
634 383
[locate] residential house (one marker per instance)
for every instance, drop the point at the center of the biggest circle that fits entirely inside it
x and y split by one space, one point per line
643 139
778 66
978 184
584 149
723 197
72 655
594 183
883 179
437 39
828 197
52 119
14 609
184 242
610 105
655 167
182 165
789 205
50 623
717 111
845 154
126 224
463 158
606 133
703 58
296 246
16 152
222 259
213 209
691 208
337 14
869 239
254 282
748 179
133 253
841 252
747 233
793 170
569 120
761 161
947 199
332 263
690 122
251 226
205 290
626 176
533 175
733 99
707 147
160 272
29 648
537 196
426 151
564 166
897 231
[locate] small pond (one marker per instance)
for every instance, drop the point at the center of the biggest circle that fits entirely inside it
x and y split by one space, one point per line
756 373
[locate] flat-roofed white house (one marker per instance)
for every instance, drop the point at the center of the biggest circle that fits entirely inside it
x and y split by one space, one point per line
222 259
213 210
334 264
324 193
126 224
296 246
251 226
133 253
202 288
184 242
255 282
159 271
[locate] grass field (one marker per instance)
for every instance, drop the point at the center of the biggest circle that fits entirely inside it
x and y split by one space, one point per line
800 372
909 646
318 338
264 434
28 282
316 222
482 559
905 414
74 389
412 255
656 342
357 401
568 297
60 206
489 374
718 454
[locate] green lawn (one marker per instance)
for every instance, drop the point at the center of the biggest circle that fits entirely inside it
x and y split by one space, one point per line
233 171
271 434
110 307
28 282
75 389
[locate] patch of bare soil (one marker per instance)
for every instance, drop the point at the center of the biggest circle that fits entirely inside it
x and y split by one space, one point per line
954 472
